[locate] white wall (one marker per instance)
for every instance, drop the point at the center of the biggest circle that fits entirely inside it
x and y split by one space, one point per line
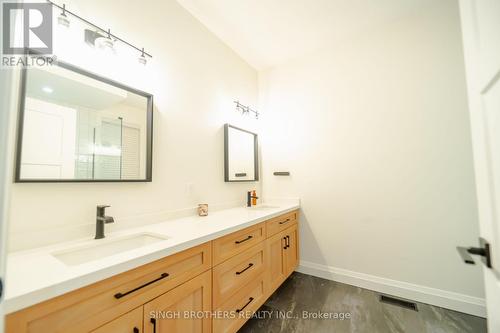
5 167
375 133
194 78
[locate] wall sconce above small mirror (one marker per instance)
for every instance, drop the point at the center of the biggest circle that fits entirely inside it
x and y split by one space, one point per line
241 162
75 126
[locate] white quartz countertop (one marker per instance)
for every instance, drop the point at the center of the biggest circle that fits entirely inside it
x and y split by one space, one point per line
36 275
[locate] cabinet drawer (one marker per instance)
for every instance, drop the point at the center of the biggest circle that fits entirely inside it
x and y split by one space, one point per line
240 307
237 242
280 223
234 273
90 307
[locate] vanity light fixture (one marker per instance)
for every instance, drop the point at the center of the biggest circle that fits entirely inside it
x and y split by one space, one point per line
107 42
246 109
63 18
142 59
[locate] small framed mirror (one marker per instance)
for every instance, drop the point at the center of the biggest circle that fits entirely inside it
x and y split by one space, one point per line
241 158
75 126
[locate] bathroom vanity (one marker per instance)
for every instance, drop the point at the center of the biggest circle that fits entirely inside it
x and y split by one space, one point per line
192 274
211 281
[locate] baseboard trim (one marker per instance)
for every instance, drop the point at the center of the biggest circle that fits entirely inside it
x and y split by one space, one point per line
442 298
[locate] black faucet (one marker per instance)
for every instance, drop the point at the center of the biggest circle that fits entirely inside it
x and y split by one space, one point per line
101 219
249 198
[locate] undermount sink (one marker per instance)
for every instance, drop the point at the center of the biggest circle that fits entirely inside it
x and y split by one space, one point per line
98 249
262 207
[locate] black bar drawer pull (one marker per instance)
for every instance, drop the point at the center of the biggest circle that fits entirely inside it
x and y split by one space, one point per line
136 330
286 221
243 271
244 306
243 240
120 295
153 321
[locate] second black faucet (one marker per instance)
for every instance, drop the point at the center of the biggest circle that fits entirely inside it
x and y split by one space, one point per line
250 197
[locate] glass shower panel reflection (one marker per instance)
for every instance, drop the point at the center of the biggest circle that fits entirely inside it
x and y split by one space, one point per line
107 154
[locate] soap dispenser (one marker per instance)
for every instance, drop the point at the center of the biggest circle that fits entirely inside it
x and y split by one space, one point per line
254 198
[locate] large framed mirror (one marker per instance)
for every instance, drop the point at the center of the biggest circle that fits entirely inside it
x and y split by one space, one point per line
241 158
76 126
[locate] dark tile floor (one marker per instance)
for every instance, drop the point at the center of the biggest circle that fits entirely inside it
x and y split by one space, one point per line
283 312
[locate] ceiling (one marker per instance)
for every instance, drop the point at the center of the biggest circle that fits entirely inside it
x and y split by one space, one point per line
267 33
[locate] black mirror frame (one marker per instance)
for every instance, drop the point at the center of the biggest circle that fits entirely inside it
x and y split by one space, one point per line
20 126
226 155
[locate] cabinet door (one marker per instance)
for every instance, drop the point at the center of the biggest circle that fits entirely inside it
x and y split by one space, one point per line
277 272
292 249
128 323
183 309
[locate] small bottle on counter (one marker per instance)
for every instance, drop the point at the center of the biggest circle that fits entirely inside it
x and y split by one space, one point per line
203 210
254 199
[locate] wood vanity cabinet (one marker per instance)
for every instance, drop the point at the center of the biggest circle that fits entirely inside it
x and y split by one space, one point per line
246 277
93 306
213 287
